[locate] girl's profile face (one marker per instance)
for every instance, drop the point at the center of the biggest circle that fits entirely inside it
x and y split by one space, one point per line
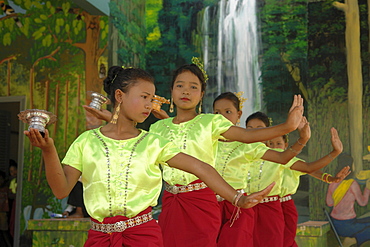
187 91
137 102
277 142
13 171
255 123
227 109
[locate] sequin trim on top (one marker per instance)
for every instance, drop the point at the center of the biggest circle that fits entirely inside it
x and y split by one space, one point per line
259 177
109 171
227 159
186 131
182 131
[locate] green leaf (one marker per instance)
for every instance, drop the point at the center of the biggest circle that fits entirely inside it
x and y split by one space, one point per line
80 25
67 28
102 24
38 20
36 35
103 35
52 10
7 39
44 17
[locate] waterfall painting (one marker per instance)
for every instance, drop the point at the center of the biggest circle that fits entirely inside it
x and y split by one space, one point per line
54 52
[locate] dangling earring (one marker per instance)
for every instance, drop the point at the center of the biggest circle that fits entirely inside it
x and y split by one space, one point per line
238 122
200 107
171 105
116 114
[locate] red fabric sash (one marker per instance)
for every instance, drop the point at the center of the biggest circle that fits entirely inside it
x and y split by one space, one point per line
190 219
145 235
240 234
291 220
268 224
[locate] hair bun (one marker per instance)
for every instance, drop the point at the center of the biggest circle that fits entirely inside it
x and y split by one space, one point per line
112 74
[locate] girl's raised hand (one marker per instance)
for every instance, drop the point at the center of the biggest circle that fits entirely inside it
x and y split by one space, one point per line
342 174
254 198
295 112
37 140
297 101
335 141
304 129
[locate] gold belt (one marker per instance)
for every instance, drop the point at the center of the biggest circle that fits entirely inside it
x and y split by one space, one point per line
120 226
270 199
184 188
286 198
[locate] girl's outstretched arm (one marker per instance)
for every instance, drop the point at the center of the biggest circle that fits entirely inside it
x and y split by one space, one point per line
324 161
342 174
214 181
235 133
60 180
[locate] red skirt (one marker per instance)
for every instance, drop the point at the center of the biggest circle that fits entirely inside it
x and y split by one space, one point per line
291 220
268 224
145 235
240 233
190 219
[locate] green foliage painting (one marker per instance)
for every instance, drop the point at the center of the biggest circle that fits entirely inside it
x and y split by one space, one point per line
52 55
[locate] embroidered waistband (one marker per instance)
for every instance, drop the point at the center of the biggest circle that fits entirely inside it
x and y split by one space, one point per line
220 198
286 198
184 188
120 226
270 199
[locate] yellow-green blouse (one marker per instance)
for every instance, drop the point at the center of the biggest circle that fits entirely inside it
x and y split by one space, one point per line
290 181
197 137
120 177
263 173
234 159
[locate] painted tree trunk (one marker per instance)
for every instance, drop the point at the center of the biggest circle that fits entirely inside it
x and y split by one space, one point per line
354 70
92 53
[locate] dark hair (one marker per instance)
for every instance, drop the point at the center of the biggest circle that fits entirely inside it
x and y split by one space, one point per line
123 79
193 69
229 96
259 115
13 163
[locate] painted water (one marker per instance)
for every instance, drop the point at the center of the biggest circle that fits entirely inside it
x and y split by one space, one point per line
230 52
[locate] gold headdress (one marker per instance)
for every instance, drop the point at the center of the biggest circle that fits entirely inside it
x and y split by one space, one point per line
124 67
197 62
270 121
241 99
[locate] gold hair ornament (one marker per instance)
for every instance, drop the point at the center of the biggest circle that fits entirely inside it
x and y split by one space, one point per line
199 64
241 99
158 101
270 121
123 67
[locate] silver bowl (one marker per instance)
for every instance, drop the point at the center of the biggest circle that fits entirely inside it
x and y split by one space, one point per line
37 119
